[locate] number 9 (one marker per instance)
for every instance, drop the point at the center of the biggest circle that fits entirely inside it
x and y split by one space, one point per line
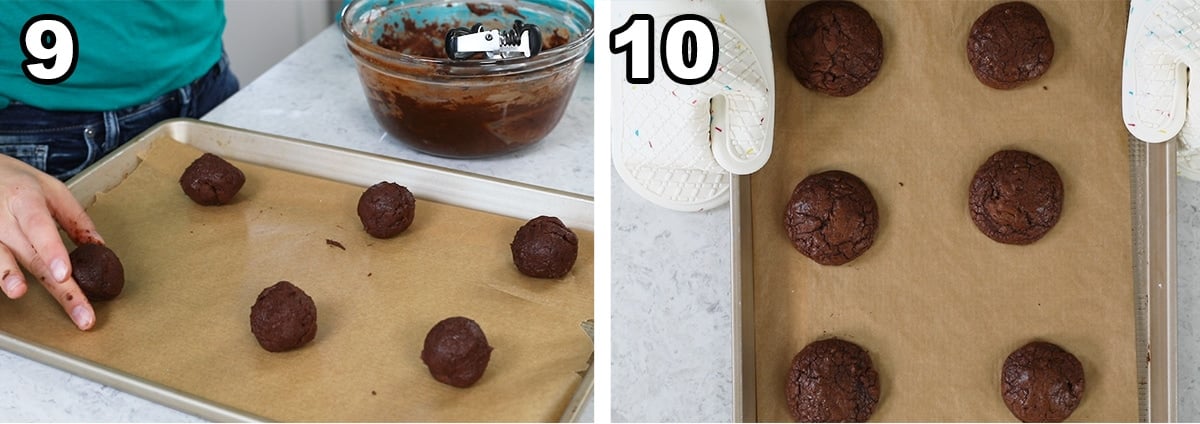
51 49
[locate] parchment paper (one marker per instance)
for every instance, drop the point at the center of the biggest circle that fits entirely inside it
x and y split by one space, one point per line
193 272
936 303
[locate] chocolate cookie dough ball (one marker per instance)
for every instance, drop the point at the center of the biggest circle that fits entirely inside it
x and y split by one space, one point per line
386 209
456 352
211 181
1041 382
544 248
98 271
1016 197
834 47
283 318
832 380
1009 45
831 217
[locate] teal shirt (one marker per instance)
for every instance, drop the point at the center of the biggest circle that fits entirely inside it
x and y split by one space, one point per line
130 51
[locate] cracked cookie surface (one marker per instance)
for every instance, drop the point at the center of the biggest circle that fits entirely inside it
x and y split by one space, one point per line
834 47
1010 44
1041 382
1016 197
831 217
832 380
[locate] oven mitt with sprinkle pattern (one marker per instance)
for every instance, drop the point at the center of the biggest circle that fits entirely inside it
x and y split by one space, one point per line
1161 43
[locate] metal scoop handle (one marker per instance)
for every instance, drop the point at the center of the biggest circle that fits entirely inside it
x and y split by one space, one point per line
523 40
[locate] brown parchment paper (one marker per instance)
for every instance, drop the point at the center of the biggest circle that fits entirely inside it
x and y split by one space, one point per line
936 303
193 272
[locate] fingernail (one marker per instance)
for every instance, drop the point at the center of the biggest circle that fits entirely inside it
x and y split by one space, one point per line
91 237
11 283
58 269
82 317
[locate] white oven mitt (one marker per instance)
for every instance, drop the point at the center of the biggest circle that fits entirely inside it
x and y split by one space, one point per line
1161 43
675 144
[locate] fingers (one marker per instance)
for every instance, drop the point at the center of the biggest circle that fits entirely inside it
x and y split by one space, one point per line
34 241
79 226
73 301
44 252
66 291
12 280
70 214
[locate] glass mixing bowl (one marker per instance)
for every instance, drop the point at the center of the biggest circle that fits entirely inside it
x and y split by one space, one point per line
465 108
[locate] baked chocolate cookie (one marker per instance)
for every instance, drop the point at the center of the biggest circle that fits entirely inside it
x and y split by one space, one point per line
211 181
1041 382
1016 197
98 271
456 352
832 380
386 209
834 47
1010 44
544 248
283 318
831 217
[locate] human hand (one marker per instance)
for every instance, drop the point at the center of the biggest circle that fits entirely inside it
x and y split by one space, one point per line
31 202
1161 43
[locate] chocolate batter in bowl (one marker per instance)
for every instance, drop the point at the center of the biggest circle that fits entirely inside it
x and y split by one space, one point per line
465 108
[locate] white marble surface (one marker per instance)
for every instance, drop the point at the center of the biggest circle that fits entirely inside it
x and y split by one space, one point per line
313 94
1188 298
672 342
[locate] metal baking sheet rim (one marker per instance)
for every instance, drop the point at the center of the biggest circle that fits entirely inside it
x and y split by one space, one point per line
1152 177
449 186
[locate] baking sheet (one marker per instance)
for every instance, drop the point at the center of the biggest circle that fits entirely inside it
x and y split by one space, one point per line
1155 276
938 304
192 273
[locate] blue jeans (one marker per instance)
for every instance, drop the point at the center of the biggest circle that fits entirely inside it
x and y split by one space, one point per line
63 143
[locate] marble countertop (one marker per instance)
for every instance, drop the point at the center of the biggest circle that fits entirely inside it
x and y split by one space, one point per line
672 319
1187 296
313 94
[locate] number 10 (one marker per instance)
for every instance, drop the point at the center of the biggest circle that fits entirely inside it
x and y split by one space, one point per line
688 48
